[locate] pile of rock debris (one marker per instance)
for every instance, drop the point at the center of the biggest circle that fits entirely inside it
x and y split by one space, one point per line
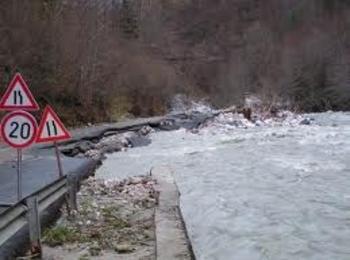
114 220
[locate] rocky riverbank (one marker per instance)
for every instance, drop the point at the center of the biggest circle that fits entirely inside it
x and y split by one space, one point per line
113 140
114 220
228 121
95 143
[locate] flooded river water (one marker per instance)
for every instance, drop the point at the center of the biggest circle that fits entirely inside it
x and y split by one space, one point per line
269 192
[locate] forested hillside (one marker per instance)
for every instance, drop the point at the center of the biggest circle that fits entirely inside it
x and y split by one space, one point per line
97 60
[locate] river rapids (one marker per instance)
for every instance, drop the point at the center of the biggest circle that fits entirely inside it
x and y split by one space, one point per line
276 190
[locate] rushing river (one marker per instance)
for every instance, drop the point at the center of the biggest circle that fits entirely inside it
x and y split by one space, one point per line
277 192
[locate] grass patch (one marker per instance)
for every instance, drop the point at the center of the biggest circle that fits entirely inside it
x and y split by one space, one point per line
112 219
59 235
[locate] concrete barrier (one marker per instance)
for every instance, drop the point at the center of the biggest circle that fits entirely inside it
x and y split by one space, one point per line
171 236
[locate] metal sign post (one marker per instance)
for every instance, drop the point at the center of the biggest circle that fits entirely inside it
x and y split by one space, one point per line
59 163
19 174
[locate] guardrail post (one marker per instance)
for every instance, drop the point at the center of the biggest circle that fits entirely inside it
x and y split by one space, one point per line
34 225
72 192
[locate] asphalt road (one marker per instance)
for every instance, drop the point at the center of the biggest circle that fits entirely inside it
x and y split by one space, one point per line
37 172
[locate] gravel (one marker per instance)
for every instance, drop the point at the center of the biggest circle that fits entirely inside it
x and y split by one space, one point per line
114 220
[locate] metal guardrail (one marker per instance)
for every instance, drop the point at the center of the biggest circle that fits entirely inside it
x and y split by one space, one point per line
27 211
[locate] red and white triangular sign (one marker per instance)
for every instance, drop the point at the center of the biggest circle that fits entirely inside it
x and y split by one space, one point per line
51 128
18 96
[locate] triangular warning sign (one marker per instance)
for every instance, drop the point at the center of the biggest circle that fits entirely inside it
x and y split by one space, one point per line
18 96
51 128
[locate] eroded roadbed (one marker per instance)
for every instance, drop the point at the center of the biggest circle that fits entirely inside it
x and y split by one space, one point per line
85 152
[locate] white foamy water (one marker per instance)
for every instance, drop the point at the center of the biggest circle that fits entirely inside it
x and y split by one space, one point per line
280 192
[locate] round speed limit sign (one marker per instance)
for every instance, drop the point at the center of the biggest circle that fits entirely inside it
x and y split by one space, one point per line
18 129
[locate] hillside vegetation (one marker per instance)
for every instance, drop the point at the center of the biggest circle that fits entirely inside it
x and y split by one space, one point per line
99 60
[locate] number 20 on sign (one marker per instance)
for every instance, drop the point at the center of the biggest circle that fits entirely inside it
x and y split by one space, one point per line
18 129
